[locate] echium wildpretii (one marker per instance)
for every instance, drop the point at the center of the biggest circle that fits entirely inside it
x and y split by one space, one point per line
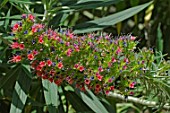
102 63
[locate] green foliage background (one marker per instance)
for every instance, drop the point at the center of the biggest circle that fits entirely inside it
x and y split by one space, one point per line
21 92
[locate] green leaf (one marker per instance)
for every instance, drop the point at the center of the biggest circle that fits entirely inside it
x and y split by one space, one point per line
3 3
25 2
20 92
20 8
58 19
134 2
93 102
35 103
7 20
76 102
159 41
51 95
110 20
109 104
2 54
4 40
4 68
10 77
92 4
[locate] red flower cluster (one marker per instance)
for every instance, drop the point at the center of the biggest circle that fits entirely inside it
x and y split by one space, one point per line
95 61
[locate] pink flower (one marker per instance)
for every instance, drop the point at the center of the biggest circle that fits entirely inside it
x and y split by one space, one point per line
100 69
69 52
34 29
83 88
42 64
107 92
77 49
97 87
67 43
60 65
126 60
99 77
38 68
87 81
21 46
34 64
24 16
70 81
40 40
35 52
97 74
132 38
119 50
31 17
39 73
112 88
16 58
40 26
52 72
81 68
50 79
110 80
132 85
58 81
113 60
96 91
49 62
45 76
70 35
15 45
125 67
131 93
67 78
15 27
76 66
30 56
109 64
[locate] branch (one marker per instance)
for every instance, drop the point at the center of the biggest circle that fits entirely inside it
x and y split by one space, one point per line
137 100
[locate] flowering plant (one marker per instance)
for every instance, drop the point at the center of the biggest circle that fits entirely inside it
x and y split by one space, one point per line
102 63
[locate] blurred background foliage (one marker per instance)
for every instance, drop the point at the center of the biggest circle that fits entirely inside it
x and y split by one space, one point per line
21 92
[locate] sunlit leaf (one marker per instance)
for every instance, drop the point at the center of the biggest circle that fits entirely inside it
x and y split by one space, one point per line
3 3
92 4
51 95
20 92
76 102
93 102
25 2
110 20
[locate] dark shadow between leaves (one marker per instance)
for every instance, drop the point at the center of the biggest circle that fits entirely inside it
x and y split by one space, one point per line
89 25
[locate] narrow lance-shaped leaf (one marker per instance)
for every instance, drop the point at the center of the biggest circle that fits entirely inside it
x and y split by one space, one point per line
93 102
7 20
51 95
110 20
10 77
3 3
159 41
92 4
77 102
26 2
20 92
